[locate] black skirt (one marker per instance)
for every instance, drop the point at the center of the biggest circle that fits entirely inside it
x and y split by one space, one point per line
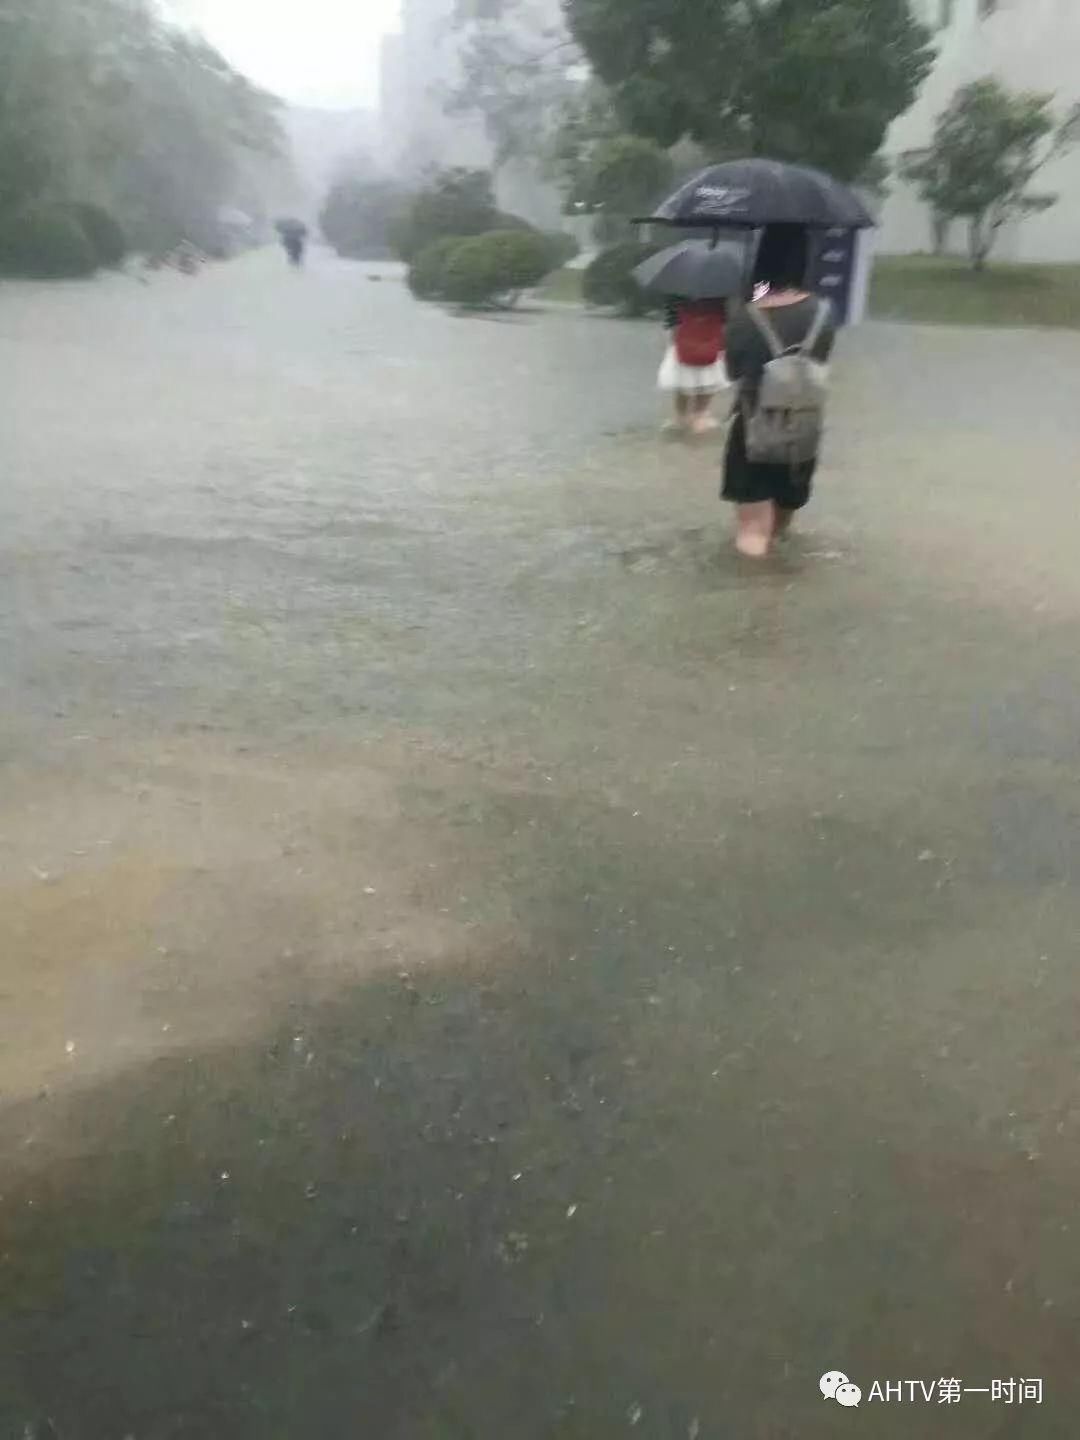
748 483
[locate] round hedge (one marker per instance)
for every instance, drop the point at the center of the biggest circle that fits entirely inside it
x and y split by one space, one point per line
427 273
497 266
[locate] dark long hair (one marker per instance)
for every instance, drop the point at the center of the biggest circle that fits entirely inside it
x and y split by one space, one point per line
783 257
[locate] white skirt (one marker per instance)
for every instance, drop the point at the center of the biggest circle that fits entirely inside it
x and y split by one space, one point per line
691 379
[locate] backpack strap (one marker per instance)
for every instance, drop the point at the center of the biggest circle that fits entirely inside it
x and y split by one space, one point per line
763 325
813 335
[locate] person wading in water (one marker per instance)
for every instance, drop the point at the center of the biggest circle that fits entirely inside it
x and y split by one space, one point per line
765 480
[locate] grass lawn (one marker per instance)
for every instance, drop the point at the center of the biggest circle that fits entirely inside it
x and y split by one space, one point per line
948 292
934 291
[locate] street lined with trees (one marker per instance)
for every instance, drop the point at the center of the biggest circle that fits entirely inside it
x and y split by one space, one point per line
105 104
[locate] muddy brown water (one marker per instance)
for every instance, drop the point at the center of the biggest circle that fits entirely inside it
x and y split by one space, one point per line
476 959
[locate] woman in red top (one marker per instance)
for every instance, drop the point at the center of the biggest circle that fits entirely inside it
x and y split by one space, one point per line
693 368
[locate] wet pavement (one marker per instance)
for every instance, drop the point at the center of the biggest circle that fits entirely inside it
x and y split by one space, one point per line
478 960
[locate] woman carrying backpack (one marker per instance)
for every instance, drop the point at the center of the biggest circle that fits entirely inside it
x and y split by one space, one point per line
777 347
693 368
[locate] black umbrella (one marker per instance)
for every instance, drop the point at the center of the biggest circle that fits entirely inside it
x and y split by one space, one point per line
695 270
754 193
290 225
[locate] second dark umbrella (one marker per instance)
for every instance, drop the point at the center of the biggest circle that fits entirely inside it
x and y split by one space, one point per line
695 270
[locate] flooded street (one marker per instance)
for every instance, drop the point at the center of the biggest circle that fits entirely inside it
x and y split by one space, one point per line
476 958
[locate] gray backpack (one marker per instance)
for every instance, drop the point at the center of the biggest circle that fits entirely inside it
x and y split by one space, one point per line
785 421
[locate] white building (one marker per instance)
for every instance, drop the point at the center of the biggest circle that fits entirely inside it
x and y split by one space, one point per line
1028 45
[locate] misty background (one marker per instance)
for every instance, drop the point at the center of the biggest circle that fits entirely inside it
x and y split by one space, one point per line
368 89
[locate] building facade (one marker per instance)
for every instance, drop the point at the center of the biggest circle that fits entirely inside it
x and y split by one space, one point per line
1028 45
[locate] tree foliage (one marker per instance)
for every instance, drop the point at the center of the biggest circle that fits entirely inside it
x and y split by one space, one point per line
988 147
585 120
517 71
496 267
104 101
816 81
360 217
427 273
485 269
609 280
623 176
457 202
46 242
107 239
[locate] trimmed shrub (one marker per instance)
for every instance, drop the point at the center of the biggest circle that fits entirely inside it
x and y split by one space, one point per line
470 277
427 273
46 242
609 280
496 266
105 234
456 202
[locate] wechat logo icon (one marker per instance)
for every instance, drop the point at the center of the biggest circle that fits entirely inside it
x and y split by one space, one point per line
835 1385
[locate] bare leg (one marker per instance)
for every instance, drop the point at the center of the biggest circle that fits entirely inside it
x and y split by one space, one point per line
754 528
782 522
702 422
682 412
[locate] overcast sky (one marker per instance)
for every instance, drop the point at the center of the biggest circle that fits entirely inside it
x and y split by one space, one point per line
312 52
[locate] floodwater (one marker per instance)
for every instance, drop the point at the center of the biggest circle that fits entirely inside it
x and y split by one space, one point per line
478 960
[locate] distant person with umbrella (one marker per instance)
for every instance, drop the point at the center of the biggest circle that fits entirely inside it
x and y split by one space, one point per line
767 483
696 277
294 235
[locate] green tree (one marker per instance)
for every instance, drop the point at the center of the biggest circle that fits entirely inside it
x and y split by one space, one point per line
585 120
193 115
495 268
427 271
46 242
609 280
988 147
360 217
622 177
518 70
104 101
457 202
816 81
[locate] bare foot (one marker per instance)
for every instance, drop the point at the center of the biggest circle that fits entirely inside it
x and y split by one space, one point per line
754 546
704 425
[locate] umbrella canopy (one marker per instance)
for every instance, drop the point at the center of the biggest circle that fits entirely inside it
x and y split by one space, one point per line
755 193
695 270
290 225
